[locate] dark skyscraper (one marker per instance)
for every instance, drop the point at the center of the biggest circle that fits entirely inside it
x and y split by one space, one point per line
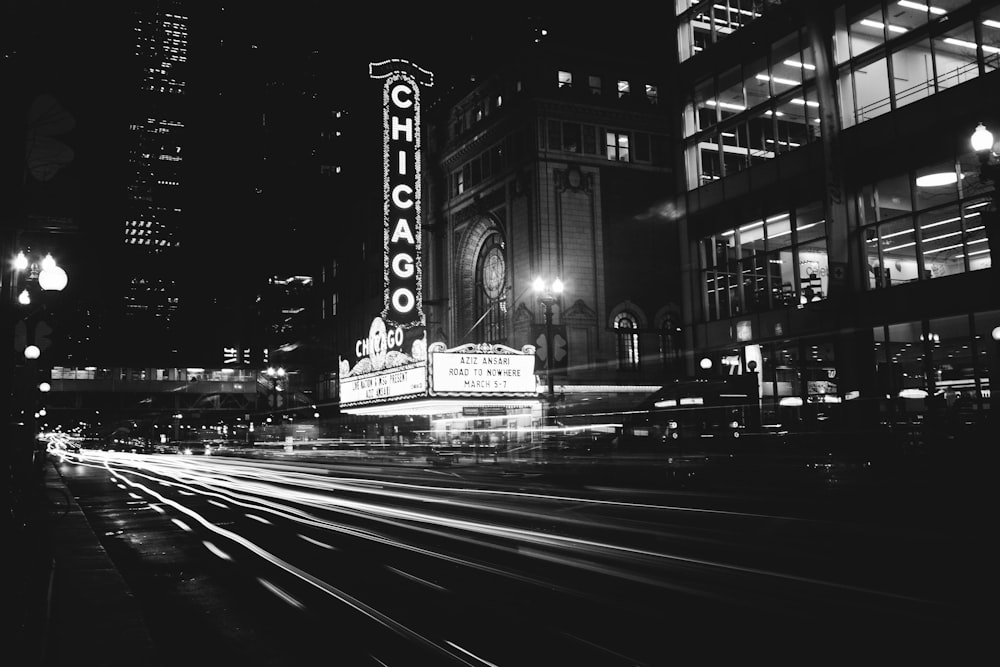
154 217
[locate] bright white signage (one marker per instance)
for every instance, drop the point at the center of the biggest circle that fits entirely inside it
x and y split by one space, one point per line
479 372
401 166
388 385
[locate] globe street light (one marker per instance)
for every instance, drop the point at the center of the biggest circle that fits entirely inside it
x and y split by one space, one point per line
548 293
45 271
989 171
275 374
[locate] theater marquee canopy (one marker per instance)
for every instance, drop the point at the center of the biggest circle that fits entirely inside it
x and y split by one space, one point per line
439 381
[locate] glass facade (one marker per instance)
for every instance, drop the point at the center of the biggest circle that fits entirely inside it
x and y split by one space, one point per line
886 56
924 220
925 224
767 263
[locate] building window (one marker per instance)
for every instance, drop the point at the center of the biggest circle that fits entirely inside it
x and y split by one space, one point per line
623 89
766 263
926 61
652 94
595 85
925 225
589 133
565 79
564 136
701 24
617 146
627 334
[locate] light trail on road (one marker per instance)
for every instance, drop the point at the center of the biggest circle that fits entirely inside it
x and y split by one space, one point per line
581 548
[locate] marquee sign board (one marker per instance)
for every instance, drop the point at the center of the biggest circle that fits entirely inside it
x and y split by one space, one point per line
389 365
389 385
482 370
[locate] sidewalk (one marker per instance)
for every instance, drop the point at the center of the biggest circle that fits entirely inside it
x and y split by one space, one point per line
68 600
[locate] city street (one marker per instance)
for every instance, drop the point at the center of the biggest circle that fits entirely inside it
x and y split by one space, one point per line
265 562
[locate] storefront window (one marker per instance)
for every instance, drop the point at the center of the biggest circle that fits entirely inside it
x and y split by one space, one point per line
937 369
781 385
952 362
905 351
819 370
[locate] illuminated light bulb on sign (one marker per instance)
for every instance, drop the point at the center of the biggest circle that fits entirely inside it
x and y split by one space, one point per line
32 352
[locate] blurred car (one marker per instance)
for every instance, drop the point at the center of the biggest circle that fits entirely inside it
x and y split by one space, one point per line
128 443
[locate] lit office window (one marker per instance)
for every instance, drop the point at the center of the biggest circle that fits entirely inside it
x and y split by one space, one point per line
617 146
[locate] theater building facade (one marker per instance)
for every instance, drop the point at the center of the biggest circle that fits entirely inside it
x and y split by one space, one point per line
555 166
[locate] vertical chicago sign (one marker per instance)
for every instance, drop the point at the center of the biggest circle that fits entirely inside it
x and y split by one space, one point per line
391 363
401 169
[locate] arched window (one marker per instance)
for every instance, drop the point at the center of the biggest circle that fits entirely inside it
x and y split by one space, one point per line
627 332
491 291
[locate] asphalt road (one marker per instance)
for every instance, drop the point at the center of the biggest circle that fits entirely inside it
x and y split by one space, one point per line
251 562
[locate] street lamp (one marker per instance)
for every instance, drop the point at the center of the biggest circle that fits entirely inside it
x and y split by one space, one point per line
46 272
548 293
982 143
275 374
989 171
29 334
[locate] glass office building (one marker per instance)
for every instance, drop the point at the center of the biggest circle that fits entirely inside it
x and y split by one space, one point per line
838 223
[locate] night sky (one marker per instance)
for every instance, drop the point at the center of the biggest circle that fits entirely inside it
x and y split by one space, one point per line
82 55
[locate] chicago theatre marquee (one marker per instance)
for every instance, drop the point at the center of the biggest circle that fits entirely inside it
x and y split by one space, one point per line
393 370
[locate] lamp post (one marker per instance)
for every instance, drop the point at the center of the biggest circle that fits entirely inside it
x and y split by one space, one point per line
989 171
548 293
27 274
982 143
275 373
